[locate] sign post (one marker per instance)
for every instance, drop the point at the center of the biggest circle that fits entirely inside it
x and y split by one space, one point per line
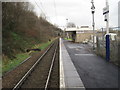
106 13
93 24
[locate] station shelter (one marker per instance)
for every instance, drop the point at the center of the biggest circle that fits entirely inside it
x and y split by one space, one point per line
79 34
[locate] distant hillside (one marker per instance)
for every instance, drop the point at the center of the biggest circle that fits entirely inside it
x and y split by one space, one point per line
22 29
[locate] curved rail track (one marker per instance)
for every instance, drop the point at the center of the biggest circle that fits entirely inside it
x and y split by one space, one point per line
39 75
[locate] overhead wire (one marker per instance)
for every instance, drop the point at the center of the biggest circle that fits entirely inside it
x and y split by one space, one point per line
43 8
55 10
40 8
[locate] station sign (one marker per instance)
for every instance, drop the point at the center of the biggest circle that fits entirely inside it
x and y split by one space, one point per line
105 12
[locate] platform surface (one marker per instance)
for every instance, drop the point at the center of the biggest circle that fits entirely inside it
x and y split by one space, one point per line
95 71
69 77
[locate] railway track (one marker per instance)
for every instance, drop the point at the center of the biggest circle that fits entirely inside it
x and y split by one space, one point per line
40 75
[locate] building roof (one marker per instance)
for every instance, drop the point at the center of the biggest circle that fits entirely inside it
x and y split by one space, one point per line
79 29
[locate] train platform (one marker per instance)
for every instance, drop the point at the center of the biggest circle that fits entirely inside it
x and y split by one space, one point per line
94 71
69 77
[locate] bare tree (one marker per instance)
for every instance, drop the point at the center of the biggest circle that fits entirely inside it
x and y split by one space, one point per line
71 25
22 28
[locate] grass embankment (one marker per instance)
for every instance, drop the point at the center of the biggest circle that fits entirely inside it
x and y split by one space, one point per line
68 39
9 64
0 66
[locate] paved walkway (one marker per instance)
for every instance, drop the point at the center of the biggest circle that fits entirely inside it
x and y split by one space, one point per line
69 78
93 70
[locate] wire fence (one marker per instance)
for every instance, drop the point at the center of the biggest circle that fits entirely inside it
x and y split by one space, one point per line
114 44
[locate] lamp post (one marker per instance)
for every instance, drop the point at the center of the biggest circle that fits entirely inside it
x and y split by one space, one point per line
93 24
66 22
66 28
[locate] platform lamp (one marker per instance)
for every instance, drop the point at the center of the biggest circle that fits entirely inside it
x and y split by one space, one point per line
93 24
67 26
66 22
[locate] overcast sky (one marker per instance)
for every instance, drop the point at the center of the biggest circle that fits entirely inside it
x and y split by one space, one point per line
77 11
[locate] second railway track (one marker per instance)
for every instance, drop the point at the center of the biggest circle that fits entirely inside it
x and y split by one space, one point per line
44 73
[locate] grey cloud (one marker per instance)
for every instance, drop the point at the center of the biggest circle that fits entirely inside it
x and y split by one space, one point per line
79 11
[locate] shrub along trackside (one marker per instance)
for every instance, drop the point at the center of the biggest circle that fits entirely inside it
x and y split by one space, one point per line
22 29
9 64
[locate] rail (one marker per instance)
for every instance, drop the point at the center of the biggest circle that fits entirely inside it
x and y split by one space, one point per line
20 82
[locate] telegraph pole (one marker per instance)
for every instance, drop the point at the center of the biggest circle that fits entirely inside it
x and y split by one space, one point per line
106 13
93 24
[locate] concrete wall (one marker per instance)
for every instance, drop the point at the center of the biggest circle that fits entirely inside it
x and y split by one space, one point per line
82 36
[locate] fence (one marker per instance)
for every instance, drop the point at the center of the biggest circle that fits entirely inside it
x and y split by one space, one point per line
114 44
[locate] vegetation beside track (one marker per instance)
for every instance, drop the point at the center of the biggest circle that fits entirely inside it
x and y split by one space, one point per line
22 29
9 64
68 39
